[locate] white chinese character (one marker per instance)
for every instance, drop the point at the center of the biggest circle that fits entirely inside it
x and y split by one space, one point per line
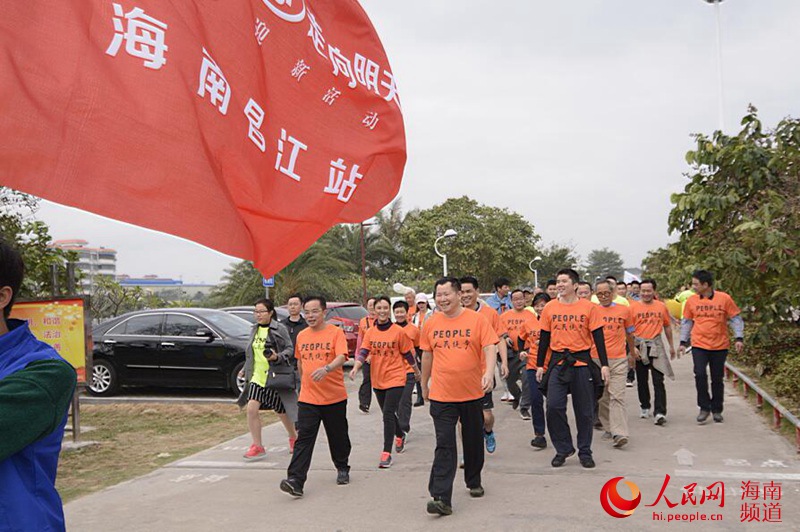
296 147
315 32
261 31
392 86
367 72
144 37
300 69
337 184
341 64
213 81
255 115
331 96
371 120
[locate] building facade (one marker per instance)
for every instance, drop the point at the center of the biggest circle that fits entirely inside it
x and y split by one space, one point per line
93 263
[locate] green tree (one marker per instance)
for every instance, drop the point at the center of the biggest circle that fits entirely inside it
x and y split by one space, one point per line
241 285
739 216
31 237
491 242
554 257
603 262
110 299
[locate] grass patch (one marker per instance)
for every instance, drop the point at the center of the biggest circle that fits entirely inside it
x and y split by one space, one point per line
132 436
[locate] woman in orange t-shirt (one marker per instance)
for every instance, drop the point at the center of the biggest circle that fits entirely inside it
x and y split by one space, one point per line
389 349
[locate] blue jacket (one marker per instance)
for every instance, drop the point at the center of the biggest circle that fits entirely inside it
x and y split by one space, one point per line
28 497
496 303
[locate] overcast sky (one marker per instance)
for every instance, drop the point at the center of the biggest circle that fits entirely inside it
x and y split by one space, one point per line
575 114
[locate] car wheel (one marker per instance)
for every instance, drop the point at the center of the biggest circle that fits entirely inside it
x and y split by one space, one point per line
104 379
237 383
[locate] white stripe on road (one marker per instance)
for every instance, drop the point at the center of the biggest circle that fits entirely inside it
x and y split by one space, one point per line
210 464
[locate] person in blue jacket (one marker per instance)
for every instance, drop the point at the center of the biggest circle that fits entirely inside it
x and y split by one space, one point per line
36 387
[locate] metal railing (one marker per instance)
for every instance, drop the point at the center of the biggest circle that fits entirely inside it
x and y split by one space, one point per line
779 412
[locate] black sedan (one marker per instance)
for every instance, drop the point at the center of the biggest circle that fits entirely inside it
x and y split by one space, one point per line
188 348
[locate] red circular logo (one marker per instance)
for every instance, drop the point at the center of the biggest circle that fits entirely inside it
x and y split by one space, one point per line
614 504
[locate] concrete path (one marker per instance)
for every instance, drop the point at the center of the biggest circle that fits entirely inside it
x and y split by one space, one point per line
216 490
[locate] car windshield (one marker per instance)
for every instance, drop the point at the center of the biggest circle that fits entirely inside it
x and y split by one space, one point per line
227 323
354 313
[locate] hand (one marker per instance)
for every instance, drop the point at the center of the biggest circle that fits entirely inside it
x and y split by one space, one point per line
605 373
509 343
631 362
353 373
739 346
273 357
539 374
504 370
672 353
682 350
487 382
417 375
636 355
523 356
425 391
319 374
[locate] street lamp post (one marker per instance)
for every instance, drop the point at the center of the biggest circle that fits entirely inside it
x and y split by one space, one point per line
363 264
535 273
447 234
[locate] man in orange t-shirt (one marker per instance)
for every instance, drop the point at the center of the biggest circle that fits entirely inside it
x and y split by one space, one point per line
392 352
514 321
321 351
469 300
570 325
650 318
458 359
400 310
530 335
618 335
706 317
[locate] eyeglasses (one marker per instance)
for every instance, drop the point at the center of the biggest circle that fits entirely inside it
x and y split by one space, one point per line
600 294
261 311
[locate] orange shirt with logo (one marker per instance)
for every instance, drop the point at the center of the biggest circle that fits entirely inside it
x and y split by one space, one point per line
710 316
458 360
649 319
514 321
493 318
413 332
313 350
530 335
617 322
388 367
570 325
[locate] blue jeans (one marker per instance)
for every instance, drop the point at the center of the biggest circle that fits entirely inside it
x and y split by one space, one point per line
582 390
537 403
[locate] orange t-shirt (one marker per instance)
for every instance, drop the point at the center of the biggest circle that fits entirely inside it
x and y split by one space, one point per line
492 317
710 316
513 321
314 349
413 332
649 319
617 322
458 360
388 367
530 335
570 325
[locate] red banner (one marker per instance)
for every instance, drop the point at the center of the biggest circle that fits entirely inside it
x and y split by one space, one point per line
250 127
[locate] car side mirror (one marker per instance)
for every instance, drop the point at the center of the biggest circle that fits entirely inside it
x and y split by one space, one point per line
204 332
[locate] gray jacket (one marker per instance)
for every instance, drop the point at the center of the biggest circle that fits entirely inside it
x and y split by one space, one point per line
659 355
279 335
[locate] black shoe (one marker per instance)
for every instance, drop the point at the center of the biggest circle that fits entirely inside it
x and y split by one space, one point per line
514 404
439 507
587 462
559 459
717 417
598 425
703 416
343 477
539 442
291 487
364 409
419 403
476 492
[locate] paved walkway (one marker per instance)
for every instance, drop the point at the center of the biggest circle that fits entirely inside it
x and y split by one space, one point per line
215 489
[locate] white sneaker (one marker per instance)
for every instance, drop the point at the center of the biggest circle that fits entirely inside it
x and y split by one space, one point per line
660 419
506 397
645 413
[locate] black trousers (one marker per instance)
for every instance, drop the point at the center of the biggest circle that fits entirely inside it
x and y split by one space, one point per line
582 389
716 360
334 419
643 386
389 401
420 400
365 391
445 459
515 367
404 410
